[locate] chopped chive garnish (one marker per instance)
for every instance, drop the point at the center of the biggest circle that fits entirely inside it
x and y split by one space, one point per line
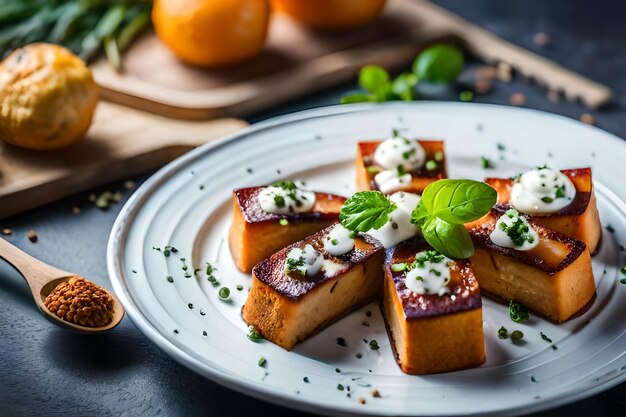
374 345
610 228
486 163
170 278
253 334
340 387
546 338
517 312
190 306
503 333
224 293
373 170
517 335
262 362
338 370
399 267
439 156
306 380
239 287
341 341
501 147
466 95
431 165
283 222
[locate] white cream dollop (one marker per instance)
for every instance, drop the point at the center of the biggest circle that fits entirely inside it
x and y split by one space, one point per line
429 277
399 226
286 198
399 151
338 241
390 181
541 191
305 261
511 224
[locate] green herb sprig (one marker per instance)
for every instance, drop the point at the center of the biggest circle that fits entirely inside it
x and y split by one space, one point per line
443 209
439 63
86 27
366 210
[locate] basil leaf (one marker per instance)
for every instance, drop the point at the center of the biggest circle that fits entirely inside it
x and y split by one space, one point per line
376 81
439 63
420 215
456 201
366 210
358 98
403 86
373 78
452 240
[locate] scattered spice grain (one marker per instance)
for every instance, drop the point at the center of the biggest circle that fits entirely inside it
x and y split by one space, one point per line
32 236
81 302
588 119
517 99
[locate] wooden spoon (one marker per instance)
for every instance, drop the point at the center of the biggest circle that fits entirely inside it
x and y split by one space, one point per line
43 278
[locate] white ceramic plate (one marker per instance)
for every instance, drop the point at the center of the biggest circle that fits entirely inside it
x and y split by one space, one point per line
187 204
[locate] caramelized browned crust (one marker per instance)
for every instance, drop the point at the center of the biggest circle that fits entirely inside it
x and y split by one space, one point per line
430 333
421 177
255 234
554 279
271 271
579 220
327 207
464 292
288 309
545 256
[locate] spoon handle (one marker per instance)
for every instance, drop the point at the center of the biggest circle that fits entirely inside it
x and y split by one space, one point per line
35 272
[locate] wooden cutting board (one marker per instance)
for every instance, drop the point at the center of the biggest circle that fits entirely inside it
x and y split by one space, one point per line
122 143
297 61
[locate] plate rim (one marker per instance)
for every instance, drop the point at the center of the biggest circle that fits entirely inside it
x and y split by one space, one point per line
130 209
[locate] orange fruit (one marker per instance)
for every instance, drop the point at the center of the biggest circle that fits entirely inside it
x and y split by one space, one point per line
331 14
212 33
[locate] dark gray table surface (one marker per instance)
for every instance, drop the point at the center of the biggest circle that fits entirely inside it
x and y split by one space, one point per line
48 371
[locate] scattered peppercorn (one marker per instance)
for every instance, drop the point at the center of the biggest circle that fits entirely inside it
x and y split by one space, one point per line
375 393
505 72
517 99
341 341
362 400
482 86
541 39
32 236
81 302
588 119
